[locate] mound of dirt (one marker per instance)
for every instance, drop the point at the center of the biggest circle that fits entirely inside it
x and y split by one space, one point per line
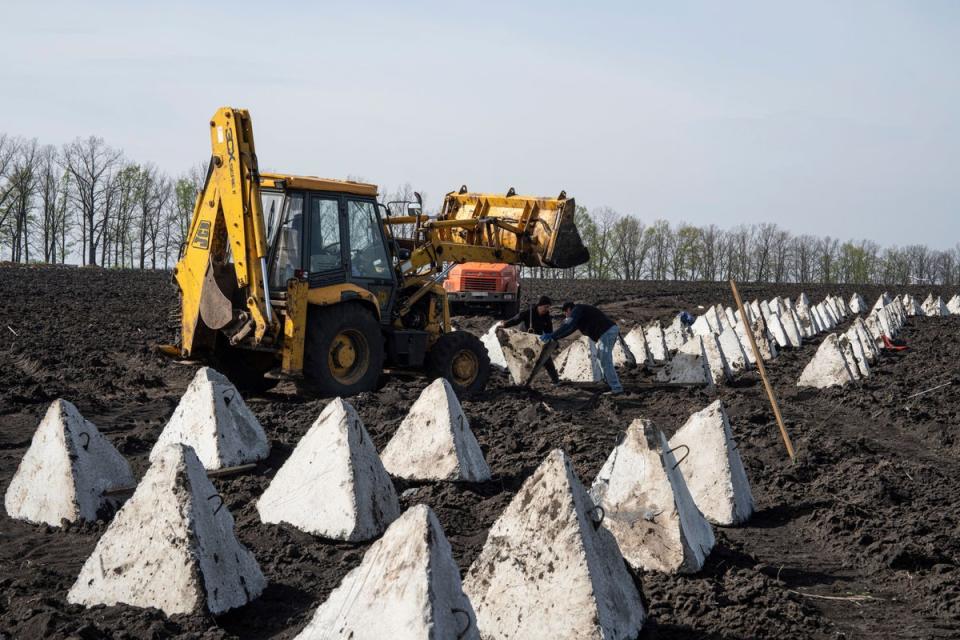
857 538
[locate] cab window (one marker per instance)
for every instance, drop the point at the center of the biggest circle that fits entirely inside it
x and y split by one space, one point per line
287 256
368 255
325 234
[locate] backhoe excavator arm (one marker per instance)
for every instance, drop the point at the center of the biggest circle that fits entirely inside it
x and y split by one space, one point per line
227 225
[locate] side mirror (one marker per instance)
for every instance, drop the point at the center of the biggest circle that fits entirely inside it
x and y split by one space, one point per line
403 254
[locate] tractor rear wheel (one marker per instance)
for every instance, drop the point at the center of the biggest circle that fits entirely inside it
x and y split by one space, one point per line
462 359
343 351
245 368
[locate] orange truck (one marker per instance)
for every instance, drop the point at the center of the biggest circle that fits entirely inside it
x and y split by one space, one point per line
484 285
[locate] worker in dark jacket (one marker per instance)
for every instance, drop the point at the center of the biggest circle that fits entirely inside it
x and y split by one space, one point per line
536 319
594 324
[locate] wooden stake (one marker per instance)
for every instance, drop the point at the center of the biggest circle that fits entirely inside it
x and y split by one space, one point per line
748 329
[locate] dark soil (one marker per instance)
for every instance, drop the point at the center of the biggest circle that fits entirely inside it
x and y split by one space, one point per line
859 537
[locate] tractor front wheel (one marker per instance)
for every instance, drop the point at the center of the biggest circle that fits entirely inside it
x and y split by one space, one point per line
462 359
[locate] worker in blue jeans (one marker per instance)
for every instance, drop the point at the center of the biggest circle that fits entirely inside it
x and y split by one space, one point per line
594 324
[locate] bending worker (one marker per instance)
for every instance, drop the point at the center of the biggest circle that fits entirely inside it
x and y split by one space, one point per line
594 324
536 319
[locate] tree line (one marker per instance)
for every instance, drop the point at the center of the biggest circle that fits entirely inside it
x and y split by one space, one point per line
86 202
624 247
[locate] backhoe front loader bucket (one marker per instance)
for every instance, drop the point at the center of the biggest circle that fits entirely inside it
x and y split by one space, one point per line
540 231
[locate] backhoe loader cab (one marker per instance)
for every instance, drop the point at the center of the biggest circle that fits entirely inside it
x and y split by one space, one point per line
304 277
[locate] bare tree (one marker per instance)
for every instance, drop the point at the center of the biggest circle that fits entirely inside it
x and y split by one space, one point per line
90 163
24 180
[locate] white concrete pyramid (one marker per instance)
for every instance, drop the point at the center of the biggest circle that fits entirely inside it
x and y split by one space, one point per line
407 587
172 546
775 327
869 343
333 484
934 307
213 419
731 317
701 327
828 367
795 321
790 329
767 349
713 469
579 363
656 342
803 299
849 355
637 343
520 351
881 302
859 351
873 328
911 305
954 305
689 365
676 334
805 321
719 369
732 351
434 441
756 310
494 350
622 354
548 570
648 507
64 473
714 318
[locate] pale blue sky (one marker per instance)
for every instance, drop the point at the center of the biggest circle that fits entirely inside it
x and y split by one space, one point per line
832 118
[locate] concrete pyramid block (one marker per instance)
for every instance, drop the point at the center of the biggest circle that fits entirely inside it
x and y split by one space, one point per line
731 317
732 351
767 349
407 587
859 351
719 369
836 306
333 484
689 365
953 306
934 307
701 327
828 315
494 350
648 507
172 546
756 310
434 441
520 351
869 343
622 354
548 570
656 342
66 470
795 321
765 309
715 318
848 354
911 305
775 327
713 469
805 321
637 342
213 419
776 305
579 363
803 299
883 319
873 327
676 334
828 367
881 302
788 303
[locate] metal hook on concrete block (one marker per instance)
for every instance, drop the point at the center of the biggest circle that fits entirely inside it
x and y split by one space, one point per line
86 444
219 506
597 521
469 625
679 446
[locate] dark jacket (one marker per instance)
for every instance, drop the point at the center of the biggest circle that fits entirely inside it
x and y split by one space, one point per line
590 321
531 321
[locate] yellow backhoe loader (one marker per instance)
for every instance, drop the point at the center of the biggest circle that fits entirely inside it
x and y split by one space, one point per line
313 279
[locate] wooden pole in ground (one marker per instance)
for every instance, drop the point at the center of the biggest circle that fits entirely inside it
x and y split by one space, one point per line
748 329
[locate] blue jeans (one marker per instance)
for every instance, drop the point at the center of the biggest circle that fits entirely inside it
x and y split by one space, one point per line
605 346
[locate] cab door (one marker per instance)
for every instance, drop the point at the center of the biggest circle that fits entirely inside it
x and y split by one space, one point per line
368 260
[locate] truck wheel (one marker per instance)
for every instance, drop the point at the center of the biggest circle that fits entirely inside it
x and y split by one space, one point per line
462 359
343 350
511 308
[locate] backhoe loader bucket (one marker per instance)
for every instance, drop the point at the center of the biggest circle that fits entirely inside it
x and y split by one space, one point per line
541 231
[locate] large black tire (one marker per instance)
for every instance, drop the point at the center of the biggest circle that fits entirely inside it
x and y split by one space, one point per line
343 351
462 359
512 308
245 368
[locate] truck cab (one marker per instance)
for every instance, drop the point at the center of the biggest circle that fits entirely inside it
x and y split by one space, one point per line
473 285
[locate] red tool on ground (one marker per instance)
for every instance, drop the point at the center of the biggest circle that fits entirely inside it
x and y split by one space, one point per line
894 345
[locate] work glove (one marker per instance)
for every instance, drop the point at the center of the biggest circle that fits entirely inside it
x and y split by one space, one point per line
545 338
